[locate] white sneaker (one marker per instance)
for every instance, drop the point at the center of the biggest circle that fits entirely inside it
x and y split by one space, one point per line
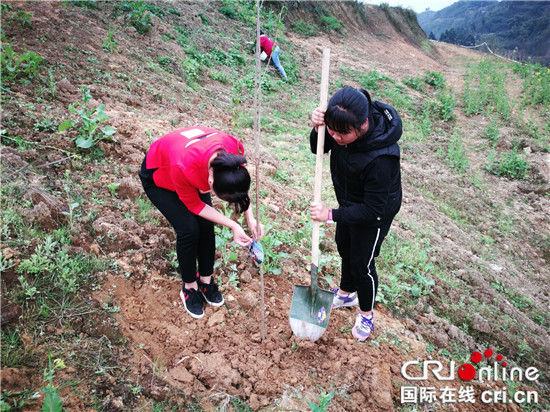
363 327
340 300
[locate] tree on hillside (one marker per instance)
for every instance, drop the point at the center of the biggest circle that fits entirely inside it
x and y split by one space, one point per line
431 36
458 36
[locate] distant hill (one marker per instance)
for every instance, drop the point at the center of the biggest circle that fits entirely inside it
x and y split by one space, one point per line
517 29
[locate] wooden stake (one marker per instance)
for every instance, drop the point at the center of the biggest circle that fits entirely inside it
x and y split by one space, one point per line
257 117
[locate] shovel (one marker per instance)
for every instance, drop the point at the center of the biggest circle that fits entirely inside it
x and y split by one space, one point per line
310 307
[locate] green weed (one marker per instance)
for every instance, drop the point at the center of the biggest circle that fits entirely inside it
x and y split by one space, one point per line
491 132
138 14
443 105
88 124
307 29
110 43
229 11
435 79
88 4
52 272
484 90
23 67
52 401
15 401
166 63
22 18
12 348
324 400
512 165
146 211
408 271
415 83
457 158
204 19
372 81
536 83
193 70
273 259
331 23
219 76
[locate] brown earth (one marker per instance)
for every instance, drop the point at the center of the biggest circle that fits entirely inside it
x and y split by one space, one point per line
176 359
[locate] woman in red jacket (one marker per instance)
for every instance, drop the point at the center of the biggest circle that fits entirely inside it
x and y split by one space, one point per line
178 173
272 51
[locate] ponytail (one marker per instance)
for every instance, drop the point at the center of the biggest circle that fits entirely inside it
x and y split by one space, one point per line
231 180
369 110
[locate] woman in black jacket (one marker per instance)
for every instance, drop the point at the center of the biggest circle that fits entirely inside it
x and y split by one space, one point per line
362 137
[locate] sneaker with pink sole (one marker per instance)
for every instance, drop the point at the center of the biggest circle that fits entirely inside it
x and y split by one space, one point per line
363 327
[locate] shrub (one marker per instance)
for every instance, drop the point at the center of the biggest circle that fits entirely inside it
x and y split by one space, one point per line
435 79
307 29
331 23
139 14
512 165
415 83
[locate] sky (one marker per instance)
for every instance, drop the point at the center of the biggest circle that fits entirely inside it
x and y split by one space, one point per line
417 5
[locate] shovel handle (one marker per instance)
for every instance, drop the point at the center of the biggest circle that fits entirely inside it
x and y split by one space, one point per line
319 159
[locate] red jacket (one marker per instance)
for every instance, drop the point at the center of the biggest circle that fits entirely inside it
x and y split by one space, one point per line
181 159
266 44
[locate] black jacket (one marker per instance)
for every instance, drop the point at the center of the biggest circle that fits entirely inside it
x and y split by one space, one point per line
366 173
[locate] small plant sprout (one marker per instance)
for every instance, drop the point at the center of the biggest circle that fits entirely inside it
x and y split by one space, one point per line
110 43
52 401
112 188
323 399
89 132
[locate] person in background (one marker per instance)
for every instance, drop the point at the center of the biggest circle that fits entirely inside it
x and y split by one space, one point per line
179 172
272 51
362 139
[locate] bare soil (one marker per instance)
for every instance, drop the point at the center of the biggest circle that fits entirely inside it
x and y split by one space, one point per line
176 359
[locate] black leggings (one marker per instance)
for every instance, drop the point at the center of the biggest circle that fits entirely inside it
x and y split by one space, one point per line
359 246
195 238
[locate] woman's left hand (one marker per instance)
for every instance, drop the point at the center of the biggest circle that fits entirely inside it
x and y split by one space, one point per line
319 212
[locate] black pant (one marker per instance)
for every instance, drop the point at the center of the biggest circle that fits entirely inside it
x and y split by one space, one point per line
195 238
359 246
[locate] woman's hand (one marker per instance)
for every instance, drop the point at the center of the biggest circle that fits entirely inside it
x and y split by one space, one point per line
256 229
318 117
240 237
319 212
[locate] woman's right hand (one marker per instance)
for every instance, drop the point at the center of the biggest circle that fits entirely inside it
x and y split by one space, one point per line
318 117
240 237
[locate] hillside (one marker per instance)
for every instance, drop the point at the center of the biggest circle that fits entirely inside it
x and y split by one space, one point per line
516 29
90 308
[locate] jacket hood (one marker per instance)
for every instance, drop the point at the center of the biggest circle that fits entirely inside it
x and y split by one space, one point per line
385 129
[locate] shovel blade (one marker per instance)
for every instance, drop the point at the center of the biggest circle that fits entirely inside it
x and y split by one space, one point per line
310 311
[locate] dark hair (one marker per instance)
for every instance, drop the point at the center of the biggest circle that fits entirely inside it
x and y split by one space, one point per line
348 109
231 180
